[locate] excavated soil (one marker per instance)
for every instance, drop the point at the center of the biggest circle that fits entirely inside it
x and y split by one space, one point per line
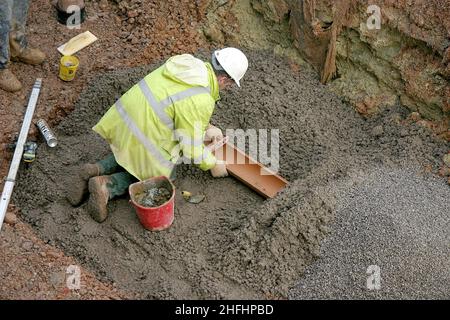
234 244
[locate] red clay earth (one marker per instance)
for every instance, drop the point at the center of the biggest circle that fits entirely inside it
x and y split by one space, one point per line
32 269
130 33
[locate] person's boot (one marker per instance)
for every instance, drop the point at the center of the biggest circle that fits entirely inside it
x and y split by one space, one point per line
30 56
78 185
8 81
99 197
104 188
26 55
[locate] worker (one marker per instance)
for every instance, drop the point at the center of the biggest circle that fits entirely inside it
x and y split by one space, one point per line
157 123
13 43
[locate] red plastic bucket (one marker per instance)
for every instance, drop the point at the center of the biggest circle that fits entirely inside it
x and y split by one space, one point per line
156 218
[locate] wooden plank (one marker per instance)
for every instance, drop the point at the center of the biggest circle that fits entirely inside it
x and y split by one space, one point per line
251 172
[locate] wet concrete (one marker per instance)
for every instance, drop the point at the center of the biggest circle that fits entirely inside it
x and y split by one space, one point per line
234 244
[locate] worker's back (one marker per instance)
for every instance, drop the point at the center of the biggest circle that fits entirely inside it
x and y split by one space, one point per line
145 125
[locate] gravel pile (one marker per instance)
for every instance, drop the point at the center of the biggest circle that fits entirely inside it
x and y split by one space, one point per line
397 220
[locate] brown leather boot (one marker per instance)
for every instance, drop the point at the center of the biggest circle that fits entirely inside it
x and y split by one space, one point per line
8 81
78 186
99 196
30 56
26 55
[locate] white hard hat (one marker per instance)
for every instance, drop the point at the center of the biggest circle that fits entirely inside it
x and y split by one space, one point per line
233 61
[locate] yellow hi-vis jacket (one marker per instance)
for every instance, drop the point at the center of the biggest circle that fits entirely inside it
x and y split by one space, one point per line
162 120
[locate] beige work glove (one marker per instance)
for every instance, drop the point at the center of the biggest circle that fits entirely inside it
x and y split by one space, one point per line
219 170
213 134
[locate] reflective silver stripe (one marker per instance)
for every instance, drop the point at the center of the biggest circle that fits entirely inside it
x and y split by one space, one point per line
183 95
151 148
157 107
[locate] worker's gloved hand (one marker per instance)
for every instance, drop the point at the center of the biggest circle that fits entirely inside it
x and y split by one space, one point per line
220 170
213 134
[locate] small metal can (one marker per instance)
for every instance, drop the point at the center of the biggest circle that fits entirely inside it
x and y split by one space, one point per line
48 134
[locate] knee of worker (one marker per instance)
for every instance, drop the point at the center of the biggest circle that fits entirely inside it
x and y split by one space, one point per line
108 165
119 183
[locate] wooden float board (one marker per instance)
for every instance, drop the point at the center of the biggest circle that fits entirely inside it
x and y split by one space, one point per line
250 172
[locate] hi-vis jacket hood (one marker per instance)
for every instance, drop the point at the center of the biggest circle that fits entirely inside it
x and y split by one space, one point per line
192 71
162 119
188 69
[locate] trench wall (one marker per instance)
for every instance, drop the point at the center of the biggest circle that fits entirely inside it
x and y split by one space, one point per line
406 60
